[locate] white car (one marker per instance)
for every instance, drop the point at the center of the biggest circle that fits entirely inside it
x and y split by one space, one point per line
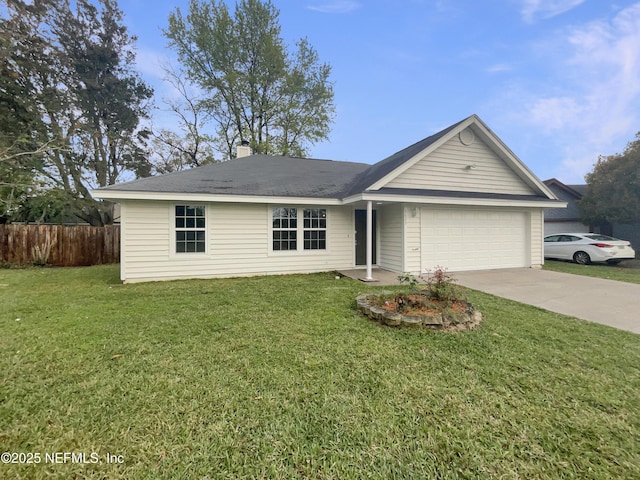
584 248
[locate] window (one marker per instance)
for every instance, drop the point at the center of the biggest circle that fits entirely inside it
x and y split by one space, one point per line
569 238
597 236
285 228
190 229
315 228
311 231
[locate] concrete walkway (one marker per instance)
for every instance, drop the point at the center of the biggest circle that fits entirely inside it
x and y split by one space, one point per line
380 277
609 302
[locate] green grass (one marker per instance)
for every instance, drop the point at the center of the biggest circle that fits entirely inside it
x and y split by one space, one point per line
280 377
620 272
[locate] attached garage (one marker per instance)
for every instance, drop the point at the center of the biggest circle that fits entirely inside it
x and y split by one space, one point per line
467 238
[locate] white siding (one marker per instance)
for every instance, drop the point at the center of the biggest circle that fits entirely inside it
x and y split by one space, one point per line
238 244
536 233
390 221
412 232
445 169
144 239
565 227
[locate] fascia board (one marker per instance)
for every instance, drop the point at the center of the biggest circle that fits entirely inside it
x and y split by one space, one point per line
204 197
420 155
373 196
458 201
353 199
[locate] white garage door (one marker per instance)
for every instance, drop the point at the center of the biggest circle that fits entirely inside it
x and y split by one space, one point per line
473 239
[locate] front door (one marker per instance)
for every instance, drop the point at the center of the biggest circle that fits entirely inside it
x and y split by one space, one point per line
361 237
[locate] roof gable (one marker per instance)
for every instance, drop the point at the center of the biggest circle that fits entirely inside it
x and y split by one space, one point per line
396 161
460 167
465 157
556 185
567 194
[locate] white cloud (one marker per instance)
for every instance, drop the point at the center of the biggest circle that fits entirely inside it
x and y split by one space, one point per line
603 71
534 9
594 106
335 6
499 68
556 113
149 62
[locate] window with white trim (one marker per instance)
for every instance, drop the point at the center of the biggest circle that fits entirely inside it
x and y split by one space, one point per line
315 228
190 228
285 228
288 234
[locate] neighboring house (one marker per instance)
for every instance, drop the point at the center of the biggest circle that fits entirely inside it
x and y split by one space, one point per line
459 199
565 220
568 220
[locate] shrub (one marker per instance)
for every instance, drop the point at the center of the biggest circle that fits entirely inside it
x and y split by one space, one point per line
441 286
409 279
438 291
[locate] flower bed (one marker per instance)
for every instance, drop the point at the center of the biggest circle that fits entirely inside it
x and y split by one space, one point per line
417 309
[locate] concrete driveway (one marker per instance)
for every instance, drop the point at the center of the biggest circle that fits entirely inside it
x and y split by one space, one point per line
603 301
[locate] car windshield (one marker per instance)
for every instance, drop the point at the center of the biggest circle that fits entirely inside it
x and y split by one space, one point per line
596 236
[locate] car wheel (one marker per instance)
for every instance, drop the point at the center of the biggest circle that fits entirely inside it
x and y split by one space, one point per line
582 258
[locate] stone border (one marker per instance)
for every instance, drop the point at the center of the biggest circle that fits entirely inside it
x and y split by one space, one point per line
471 318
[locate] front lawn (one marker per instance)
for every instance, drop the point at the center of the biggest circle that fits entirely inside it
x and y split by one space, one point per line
280 377
622 272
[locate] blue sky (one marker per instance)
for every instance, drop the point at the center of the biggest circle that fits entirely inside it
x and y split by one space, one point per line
557 80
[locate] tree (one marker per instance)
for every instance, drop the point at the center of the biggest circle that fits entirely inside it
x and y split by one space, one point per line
84 94
613 188
174 152
20 123
112 98
258 91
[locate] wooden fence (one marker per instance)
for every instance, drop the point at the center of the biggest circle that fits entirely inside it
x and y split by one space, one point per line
59 245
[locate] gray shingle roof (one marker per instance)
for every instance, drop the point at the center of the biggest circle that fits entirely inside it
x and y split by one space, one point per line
266 175
262 175
389 164
581 189
277 176
570 195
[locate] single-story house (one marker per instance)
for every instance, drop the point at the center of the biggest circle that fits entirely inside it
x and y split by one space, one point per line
569 220
459 199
